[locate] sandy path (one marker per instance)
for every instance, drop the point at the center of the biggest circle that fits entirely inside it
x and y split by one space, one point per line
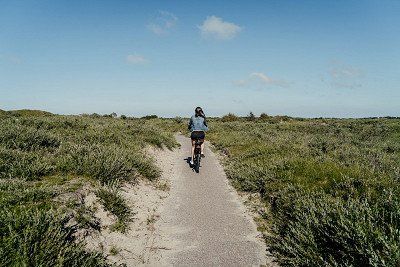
203 222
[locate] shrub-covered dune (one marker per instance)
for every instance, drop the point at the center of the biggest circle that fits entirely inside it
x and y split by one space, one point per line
43 157
330 187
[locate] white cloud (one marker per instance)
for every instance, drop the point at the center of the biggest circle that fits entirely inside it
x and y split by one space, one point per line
136 59
259 79
215 27
162 23
345 72
341 75
262 77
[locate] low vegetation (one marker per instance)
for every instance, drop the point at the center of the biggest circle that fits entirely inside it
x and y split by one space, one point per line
115 203
46 160
330 186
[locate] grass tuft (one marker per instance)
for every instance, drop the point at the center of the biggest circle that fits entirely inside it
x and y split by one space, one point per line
32 237
113 202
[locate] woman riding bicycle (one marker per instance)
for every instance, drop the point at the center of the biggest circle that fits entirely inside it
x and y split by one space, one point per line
197 126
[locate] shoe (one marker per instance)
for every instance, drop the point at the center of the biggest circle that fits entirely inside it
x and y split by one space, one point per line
191 162
202 155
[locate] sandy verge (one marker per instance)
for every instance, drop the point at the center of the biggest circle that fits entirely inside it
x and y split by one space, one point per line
138 245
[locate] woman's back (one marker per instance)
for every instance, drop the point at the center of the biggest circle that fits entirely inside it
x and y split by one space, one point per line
197 124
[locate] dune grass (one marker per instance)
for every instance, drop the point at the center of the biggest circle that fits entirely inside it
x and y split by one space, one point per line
330 187
42 156
116 204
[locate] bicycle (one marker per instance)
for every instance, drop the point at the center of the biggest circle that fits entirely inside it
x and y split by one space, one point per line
197 154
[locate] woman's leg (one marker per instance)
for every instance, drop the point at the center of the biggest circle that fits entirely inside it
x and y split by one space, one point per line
193 144
202 143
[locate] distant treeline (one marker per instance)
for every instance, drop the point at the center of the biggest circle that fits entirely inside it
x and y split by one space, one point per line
225 118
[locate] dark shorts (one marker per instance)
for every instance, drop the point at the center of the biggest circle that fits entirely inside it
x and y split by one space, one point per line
197 135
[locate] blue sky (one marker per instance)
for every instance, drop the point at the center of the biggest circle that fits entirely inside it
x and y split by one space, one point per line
299 58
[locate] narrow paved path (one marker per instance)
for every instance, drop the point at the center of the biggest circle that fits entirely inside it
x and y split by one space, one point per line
203 222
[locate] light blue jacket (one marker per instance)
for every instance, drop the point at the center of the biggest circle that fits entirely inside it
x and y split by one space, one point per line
197 124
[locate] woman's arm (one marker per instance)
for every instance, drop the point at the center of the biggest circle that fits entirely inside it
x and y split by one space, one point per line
205 124
190 124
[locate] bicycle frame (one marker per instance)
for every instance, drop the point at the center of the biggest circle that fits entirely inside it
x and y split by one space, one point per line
197 154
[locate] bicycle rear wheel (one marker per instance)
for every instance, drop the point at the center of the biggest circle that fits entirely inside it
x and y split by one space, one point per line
197 163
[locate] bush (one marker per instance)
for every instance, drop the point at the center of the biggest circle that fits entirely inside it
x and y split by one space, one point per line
100 162
149 117
14 135
95 115
38 238
114 203
251 117
178 120
264 116
29 113
19 164
329 232
15 193
330 187
229 117
40 157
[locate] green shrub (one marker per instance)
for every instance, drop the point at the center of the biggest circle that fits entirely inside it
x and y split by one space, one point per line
29 113
107 163
330 186
115 203
16 193
35 151
264 116
33 237
103 163
324 231
19 164
229 117
251 117
14 135
149 117
178 120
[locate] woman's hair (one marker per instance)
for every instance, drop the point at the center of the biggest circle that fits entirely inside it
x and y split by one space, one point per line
199 112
